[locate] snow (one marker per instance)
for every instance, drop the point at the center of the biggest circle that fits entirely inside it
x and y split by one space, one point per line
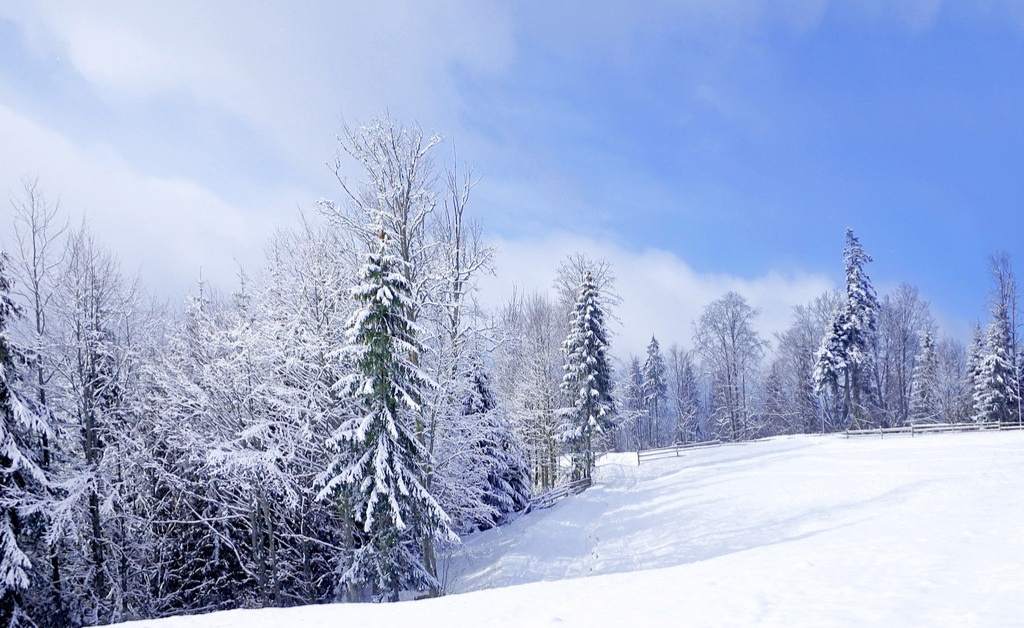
797 531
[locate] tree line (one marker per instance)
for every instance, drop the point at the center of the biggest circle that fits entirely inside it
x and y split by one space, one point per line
331 428
848 360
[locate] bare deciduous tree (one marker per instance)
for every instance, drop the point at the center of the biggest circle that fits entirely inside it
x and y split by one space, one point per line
731 351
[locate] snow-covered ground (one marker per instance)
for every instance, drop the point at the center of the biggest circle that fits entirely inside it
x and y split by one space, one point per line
801 531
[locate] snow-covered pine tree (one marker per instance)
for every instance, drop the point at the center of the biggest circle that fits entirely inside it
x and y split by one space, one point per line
843 355
861 320
21 427
861 301
924 407
508 473
654 391
587 383
972 374
995 396
830 363
379 462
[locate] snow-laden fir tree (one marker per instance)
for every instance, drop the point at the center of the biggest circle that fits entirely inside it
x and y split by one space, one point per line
861 321
380 462
655 390
995 394
830 363
861 301
587 382
924 403
508 473
21 427
843 356
972 373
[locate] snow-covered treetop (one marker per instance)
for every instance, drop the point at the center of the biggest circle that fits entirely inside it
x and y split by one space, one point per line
654 384
862 302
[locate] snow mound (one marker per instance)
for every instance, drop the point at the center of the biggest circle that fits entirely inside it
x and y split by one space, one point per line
800 531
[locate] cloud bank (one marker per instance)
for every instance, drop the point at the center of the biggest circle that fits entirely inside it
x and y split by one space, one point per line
661 293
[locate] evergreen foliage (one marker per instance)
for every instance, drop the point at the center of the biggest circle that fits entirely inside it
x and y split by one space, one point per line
995 393
21 477
508 487
380 461
843 359
587 383
924 402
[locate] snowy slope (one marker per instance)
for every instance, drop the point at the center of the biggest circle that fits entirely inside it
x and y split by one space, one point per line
815 531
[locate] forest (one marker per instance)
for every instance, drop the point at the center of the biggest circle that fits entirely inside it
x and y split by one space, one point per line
328 428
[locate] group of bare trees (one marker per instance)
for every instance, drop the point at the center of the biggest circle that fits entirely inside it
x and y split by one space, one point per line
880 363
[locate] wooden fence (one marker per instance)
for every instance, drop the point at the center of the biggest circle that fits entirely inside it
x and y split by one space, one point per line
549 498
933 428
671 452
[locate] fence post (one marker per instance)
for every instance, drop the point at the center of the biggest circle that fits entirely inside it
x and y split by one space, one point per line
638 456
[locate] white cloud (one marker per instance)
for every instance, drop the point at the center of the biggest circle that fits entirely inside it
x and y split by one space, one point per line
661 293
165 228
290 70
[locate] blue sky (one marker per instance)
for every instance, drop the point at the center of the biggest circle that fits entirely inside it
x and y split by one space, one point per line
700 145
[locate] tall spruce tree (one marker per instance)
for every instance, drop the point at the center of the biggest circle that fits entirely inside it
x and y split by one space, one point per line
995 395
655 389
924 407
587 382
843 357
380 463
508 473
21 477
972 374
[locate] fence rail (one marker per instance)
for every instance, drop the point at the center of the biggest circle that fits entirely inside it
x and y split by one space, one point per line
671 452
549 498
933 428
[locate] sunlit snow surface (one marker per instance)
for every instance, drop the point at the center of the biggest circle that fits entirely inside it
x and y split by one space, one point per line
801 531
